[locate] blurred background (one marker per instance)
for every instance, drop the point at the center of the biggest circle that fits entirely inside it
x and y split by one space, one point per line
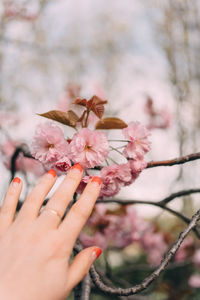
143 56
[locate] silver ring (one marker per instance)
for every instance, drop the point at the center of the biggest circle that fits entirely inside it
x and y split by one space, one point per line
53 212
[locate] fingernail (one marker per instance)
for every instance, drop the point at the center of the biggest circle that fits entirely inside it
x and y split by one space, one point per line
96 179
16 181
96 253
77 167
52 172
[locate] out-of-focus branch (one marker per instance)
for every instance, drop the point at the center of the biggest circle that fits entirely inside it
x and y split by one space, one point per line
148 280
174 161
146 202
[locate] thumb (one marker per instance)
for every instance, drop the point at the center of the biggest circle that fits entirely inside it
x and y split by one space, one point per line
80 266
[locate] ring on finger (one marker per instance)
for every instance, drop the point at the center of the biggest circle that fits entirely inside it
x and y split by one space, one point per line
53 211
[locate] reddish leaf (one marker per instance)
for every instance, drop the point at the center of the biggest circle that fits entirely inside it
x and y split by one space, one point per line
96 104
72 116
82 102
111 123
68 118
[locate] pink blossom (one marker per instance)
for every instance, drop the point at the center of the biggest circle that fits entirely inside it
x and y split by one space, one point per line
110 185
89 148
49 144
194 281
196 258
113 178
138 145
154 245
119 230
98 239
136 167
124 229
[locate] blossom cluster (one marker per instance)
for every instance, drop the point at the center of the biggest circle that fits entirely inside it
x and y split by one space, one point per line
90 148
120 228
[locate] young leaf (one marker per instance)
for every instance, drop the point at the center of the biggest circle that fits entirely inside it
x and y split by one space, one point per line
82 102
98 106
68 118
110 123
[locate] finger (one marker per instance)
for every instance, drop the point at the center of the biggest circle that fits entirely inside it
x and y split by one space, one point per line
80 266
8 209
55 208
79 213
35 199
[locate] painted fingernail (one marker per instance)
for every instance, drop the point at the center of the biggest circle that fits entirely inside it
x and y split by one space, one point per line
77 167
96 253
52 172
96 179
16 181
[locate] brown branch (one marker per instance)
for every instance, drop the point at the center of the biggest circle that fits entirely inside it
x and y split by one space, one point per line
174 161
148 280
162 204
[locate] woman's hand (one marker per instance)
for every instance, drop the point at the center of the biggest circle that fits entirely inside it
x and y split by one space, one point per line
35 247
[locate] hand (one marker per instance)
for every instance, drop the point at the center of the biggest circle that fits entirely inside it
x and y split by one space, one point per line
35 248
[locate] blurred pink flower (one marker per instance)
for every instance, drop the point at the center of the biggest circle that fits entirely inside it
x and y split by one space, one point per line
154 246
119 230
8 118
89 148
64 103
49 144
98 239
196 258
194 281
22 163
124 229
157 118
138 145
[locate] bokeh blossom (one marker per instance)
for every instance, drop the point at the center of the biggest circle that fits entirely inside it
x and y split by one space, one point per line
89 148
194 281
154 246
138 145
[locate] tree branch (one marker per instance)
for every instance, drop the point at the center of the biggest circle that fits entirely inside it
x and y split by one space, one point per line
174 161
148 280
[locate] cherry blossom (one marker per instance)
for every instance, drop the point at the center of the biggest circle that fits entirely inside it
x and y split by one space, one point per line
89 148
49 144
154 246
194 281
138 145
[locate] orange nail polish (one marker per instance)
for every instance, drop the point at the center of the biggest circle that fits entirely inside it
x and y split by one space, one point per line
52 172
17 180
96 179
96 253
78 167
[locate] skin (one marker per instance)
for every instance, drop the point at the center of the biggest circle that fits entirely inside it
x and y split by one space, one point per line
35 247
